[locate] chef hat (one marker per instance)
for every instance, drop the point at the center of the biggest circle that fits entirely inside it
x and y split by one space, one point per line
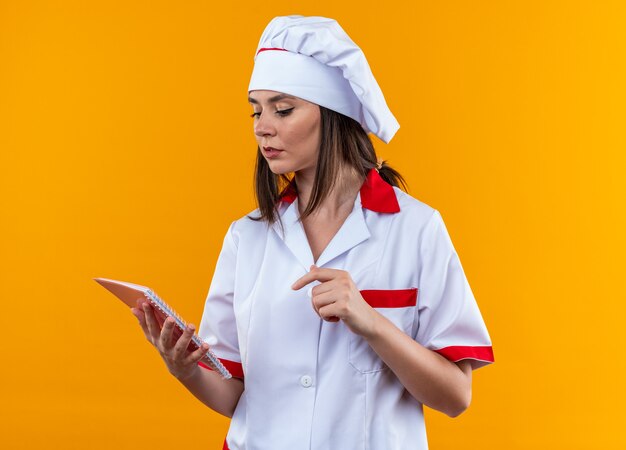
314 59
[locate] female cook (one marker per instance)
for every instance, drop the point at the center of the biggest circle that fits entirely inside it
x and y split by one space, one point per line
339 305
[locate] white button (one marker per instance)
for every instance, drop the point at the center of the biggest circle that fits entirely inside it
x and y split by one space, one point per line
306 380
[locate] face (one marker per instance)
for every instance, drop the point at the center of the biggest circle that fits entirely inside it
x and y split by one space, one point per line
289 125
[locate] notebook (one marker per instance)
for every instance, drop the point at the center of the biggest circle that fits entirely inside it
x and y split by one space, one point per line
129 293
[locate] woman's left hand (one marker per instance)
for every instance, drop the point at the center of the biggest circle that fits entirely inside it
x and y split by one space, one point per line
337 297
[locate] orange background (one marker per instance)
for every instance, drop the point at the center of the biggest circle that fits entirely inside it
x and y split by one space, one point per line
126 150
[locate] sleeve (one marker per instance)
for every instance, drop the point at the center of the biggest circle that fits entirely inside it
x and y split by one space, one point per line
218 326
449 321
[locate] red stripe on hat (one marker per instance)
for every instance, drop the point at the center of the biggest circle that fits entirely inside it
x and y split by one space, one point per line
271 48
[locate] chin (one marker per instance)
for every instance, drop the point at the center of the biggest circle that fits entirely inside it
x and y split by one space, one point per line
280 169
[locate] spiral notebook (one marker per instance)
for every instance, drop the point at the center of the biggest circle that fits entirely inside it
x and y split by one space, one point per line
129 293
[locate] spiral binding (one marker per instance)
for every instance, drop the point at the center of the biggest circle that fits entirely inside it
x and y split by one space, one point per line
165 308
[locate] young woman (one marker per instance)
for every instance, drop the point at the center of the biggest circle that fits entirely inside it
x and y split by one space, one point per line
339 305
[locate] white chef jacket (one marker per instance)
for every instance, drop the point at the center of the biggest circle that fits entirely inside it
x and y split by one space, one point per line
312 384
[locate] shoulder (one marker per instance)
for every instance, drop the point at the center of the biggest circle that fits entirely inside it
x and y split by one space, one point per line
424 222
418 224
413 210
246 227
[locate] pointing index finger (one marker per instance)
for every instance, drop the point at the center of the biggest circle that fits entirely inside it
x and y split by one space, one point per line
314 274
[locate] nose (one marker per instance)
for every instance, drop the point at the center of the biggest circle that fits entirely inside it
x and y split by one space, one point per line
264 126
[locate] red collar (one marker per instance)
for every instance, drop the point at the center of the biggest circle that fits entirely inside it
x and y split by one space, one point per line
376 194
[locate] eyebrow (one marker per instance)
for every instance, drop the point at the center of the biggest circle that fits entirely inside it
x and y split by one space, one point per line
272 99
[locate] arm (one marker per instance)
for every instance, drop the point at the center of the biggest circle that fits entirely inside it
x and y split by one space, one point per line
206 385
428 377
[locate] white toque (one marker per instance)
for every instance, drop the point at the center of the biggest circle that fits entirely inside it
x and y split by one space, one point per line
314 59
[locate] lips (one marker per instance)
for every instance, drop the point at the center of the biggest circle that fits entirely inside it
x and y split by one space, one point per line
271 152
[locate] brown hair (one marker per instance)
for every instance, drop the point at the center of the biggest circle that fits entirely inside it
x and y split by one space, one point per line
343 141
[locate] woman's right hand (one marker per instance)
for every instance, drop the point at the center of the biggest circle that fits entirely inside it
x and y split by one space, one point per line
180 362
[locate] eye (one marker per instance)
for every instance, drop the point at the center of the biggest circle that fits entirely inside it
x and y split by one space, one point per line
281 113
284 112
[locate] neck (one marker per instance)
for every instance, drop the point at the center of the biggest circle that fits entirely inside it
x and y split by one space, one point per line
340 198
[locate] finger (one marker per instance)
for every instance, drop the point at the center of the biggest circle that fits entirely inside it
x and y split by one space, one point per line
153 327
183 341
321 288
141 302
321 300
309 293
315 274
328 314
197 355
166 334
141 317
138 313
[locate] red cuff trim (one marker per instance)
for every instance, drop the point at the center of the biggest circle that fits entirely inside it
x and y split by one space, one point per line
390 298
457 353
225 446
235 368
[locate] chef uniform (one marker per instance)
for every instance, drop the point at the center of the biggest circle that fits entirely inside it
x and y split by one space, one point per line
309 383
